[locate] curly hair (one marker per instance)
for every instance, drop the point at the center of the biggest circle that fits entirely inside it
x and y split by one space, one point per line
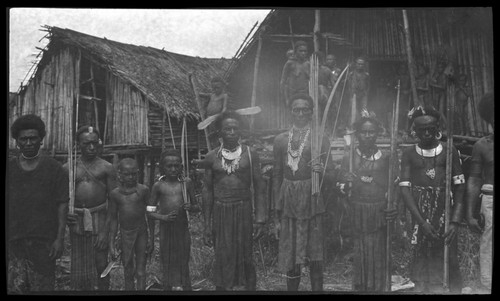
170 153
302 96
229 114
426 111
85 129
486 107
359 123
28 122
298 44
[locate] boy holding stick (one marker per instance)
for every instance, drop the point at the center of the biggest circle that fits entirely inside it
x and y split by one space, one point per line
128 201
176 196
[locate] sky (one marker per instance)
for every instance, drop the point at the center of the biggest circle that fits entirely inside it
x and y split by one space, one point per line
210 33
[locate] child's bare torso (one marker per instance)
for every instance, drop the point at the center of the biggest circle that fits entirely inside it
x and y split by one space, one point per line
216 104
170 197
131 207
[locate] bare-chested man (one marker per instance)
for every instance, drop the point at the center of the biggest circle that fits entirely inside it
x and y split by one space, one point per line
229 172
128 202
423 179
360 85
295 75
95 179
481 180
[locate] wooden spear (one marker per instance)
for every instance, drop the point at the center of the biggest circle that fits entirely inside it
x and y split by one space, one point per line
447 206
317 22
255 79
71 205
409 53
313 92
390 187
185 167
352 146
198 103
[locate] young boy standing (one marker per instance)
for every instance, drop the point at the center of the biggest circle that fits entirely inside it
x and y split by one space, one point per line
423 178
129 201
176 196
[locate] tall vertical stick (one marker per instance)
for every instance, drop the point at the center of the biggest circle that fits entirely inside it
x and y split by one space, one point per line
352 146
316 33
411 65
447 205
390 188
255 78
313 92
69 113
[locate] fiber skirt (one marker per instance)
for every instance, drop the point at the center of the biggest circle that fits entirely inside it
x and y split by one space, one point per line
232 229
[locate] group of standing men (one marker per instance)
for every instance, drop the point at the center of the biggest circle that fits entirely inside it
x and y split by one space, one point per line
234 202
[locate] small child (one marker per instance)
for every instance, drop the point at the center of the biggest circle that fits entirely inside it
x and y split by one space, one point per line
129 201
175 195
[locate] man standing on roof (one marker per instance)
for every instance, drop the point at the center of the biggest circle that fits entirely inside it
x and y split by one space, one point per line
89 227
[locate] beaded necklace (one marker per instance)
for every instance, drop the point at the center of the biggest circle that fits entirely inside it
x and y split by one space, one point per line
294 155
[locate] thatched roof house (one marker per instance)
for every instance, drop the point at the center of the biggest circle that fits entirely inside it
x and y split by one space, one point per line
130 93
463 35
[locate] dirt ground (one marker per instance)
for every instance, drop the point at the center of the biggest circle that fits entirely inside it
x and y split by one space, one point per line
337 270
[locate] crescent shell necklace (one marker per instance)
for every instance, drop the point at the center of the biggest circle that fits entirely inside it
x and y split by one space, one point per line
233 157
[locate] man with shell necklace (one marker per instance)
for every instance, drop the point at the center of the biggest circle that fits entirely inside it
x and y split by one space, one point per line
423 181
231 216
299 215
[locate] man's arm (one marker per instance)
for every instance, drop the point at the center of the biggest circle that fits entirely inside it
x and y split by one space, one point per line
259 190
284 80
207 193
405 186
194 206
277 174
473 187
225 100
112 221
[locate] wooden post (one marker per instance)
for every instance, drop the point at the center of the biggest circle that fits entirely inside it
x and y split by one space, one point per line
255 79
315 127
447 206
411 65
390 188
163 117
198 103
171 130
94 94
352 146
316 33
69 114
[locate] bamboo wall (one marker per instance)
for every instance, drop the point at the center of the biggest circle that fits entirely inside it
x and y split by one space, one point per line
129 124
50 95
196 138
378 34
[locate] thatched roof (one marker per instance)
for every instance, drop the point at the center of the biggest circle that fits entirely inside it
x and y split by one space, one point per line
160 75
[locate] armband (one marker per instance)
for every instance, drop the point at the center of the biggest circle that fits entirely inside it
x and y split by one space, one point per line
405 184
460 179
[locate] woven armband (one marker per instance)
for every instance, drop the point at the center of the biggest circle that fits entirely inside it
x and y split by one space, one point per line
405 184
460 179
